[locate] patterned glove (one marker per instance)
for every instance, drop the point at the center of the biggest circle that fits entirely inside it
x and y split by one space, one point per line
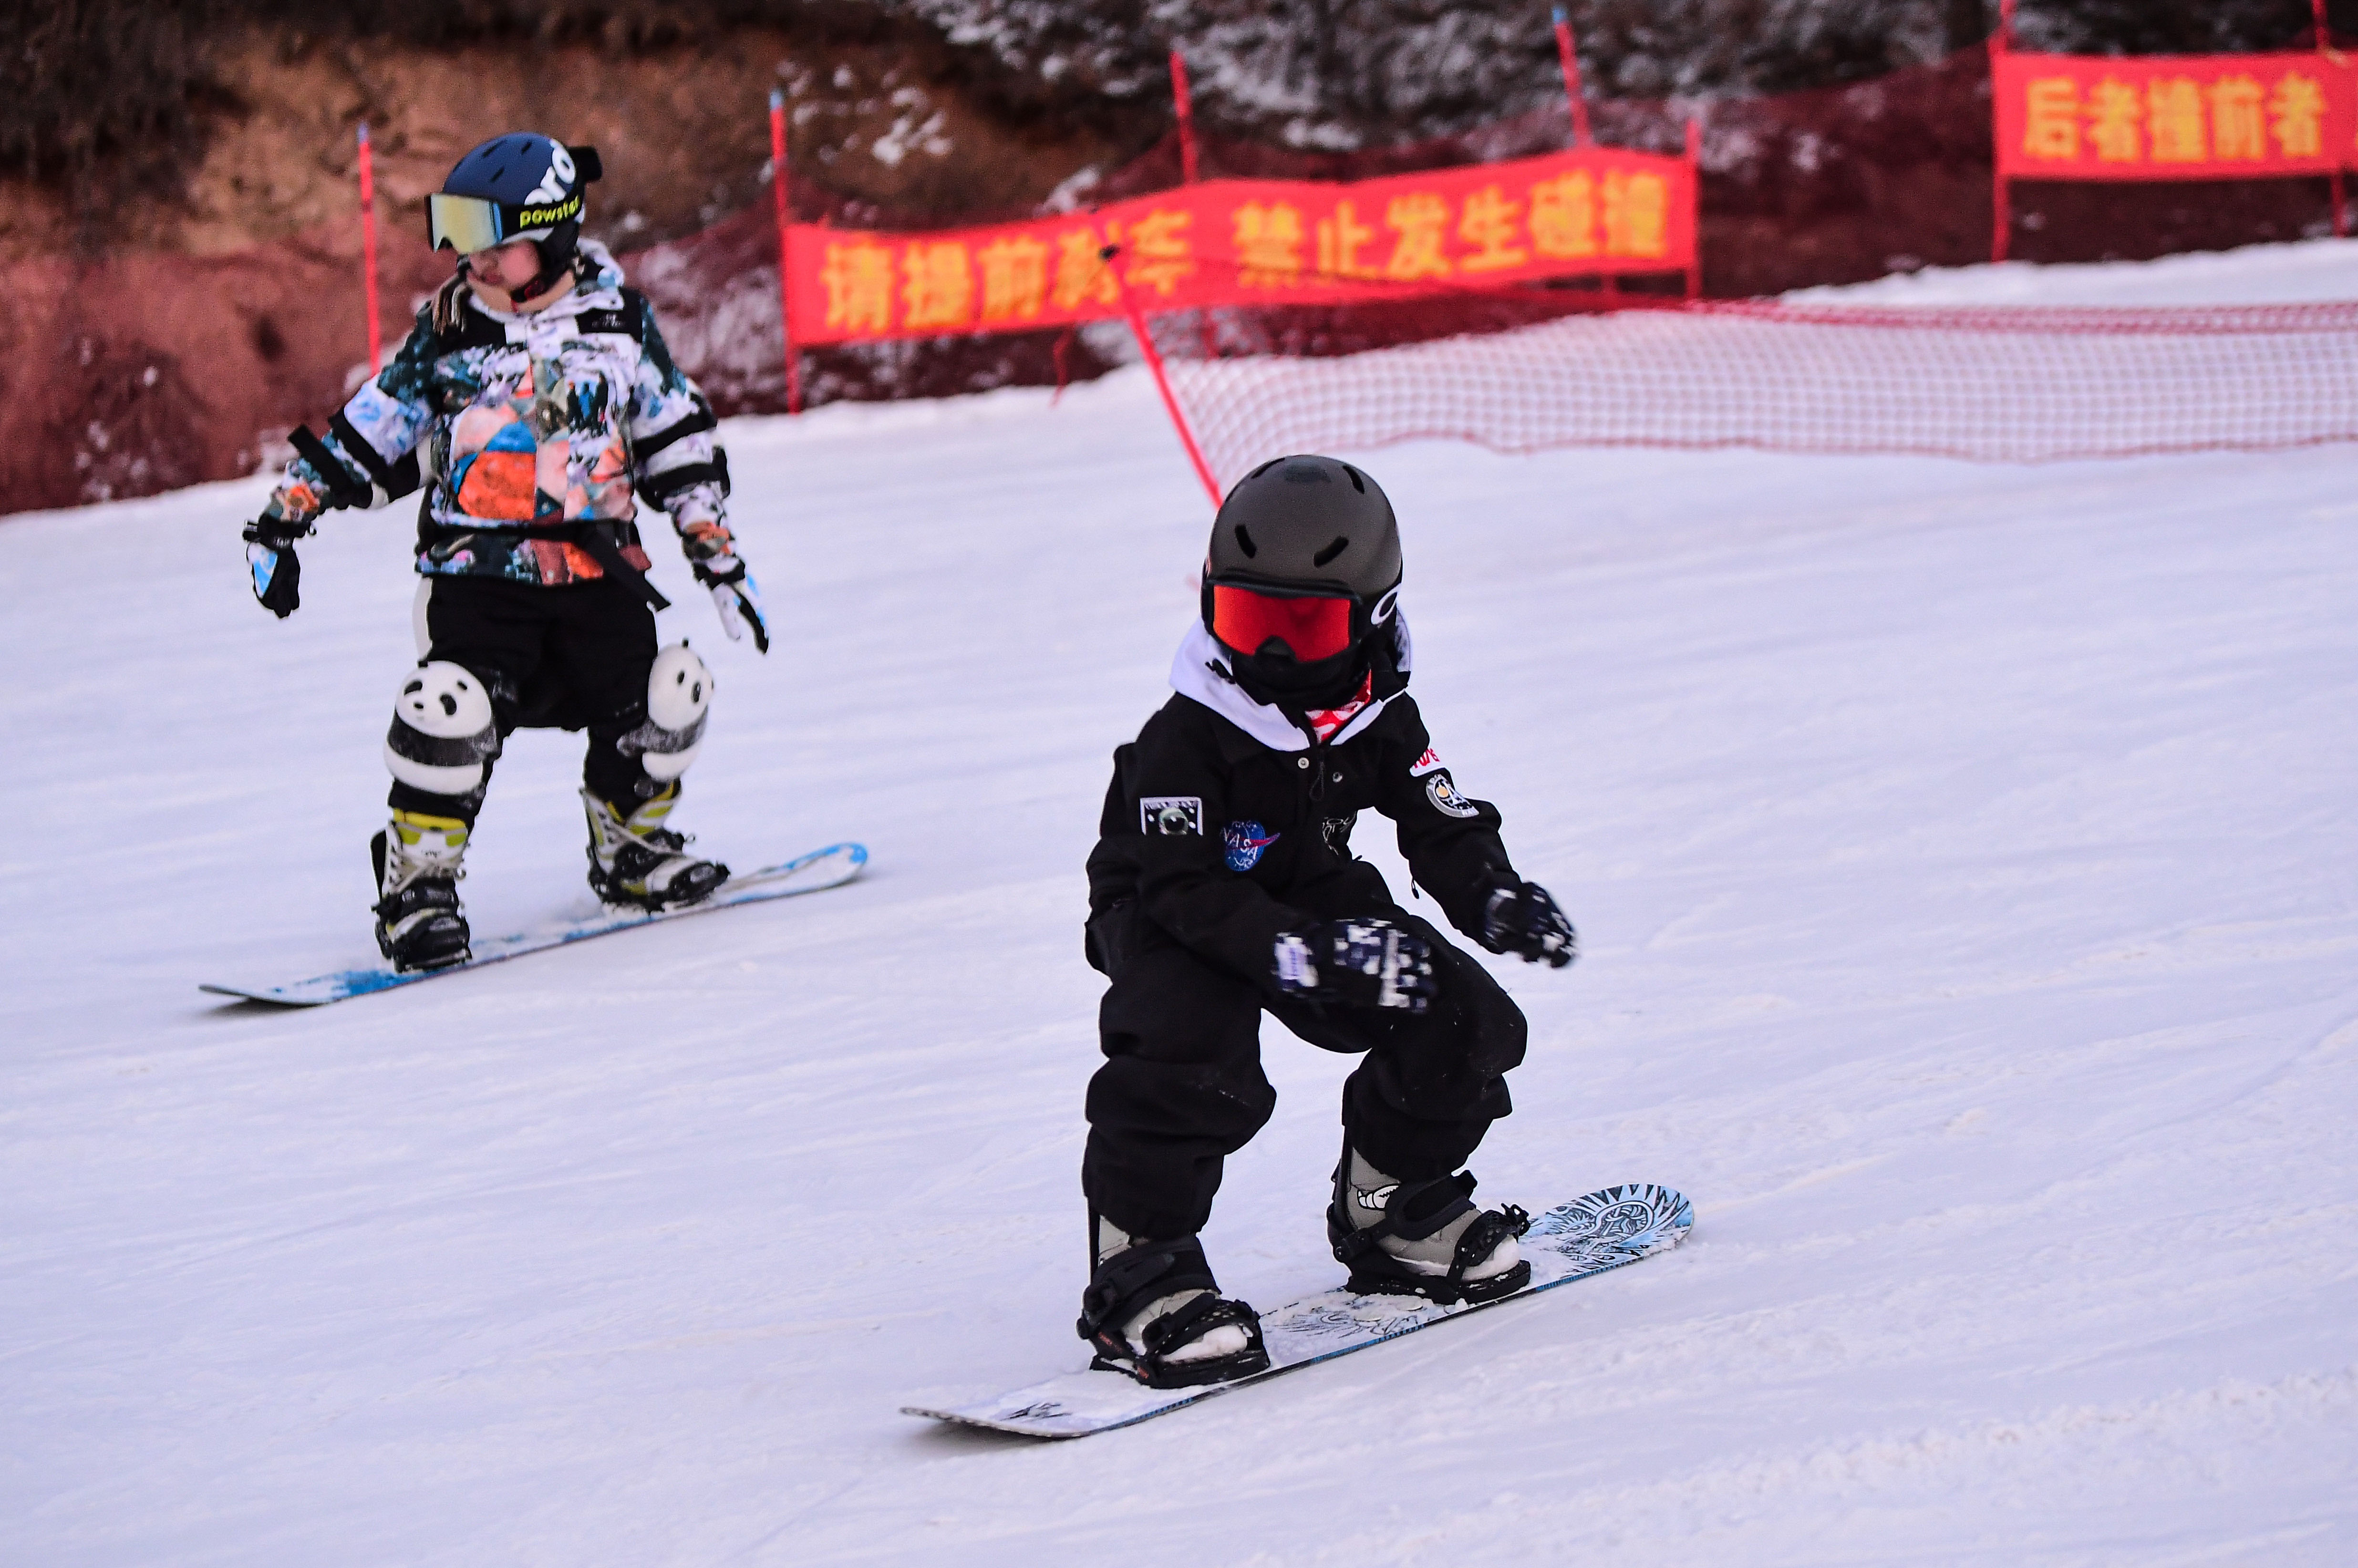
270 557
737 597
1358 963
1523 920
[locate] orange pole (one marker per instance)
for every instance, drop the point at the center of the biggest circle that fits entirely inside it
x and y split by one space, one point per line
2325 46
2001 203
778 201
1694 173
1569 59
1186 105
368 254
1161 379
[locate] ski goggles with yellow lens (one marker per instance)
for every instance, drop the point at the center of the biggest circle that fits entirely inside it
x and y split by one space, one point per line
470 223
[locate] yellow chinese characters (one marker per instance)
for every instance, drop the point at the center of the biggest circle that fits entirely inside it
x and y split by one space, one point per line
1563 215
2174 119
1269 245
1082 276
1637 215
2237 128
937 285
1421 221
1014 278
858 280
2173 114
2050 121
2114 110
1634 211
1339 239
1487 223
2297 115
1159 252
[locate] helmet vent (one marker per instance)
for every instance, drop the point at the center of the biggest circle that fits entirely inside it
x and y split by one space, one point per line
1244 542
1264 468
1358 482
1331 551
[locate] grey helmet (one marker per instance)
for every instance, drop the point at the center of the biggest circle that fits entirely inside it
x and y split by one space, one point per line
1304 565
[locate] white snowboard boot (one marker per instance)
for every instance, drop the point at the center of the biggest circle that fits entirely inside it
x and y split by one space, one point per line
1153 1310
418 922
635 860
1423 1239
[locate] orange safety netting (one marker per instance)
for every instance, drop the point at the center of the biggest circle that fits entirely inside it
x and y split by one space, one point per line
2018 385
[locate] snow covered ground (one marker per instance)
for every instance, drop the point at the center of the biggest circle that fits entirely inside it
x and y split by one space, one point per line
1967 864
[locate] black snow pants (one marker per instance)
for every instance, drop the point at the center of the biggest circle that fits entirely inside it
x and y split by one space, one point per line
569 656
1182 1087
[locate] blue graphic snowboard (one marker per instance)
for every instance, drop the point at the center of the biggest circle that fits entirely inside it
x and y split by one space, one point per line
1606 1229
831 867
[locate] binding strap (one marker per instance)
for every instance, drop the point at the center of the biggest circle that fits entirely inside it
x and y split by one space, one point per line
1130 1279
1402 1216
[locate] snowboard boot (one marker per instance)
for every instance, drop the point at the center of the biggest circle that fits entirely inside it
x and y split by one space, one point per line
1423 1239
418 925
636 860
1153 1311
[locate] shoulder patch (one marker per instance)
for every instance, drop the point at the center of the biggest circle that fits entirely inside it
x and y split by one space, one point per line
1171 815
1445 799
1424 764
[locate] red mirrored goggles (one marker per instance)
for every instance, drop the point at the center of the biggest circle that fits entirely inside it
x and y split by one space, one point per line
1312 626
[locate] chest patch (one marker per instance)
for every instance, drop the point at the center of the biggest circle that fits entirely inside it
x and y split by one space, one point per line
1247 841
1445 799
1171 815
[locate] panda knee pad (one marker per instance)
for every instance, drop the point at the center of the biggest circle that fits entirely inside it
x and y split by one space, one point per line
679 696
443 735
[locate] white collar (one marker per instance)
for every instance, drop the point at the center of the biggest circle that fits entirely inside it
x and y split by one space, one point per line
1200 672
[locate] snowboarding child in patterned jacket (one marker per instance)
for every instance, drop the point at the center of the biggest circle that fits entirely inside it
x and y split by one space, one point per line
534 404
1223 886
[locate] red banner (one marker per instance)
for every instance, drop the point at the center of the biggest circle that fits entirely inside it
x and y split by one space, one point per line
1589 212
2172 116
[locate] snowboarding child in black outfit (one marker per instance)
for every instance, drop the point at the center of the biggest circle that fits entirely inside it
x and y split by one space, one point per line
535 404
1223 886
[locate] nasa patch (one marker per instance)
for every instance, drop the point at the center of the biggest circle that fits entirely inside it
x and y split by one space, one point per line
1247 842
1424 764
1171 815
1445 799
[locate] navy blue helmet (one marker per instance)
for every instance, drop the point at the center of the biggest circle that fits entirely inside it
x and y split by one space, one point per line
522 186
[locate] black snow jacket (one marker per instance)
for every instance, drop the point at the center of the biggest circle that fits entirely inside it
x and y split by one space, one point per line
1222 842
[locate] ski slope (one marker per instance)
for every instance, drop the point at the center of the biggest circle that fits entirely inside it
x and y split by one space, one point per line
1966 861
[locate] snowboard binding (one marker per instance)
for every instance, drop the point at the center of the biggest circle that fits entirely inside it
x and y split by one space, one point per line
1129 1281
636 862
418 922
1415 1211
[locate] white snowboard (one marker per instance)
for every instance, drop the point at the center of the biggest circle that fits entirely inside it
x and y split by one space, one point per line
1604 1230
830 867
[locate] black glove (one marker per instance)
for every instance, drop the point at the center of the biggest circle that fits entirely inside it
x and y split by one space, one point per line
270 553
1358 963
1523 920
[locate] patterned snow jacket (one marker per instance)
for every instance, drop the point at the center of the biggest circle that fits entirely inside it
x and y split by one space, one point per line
529 435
